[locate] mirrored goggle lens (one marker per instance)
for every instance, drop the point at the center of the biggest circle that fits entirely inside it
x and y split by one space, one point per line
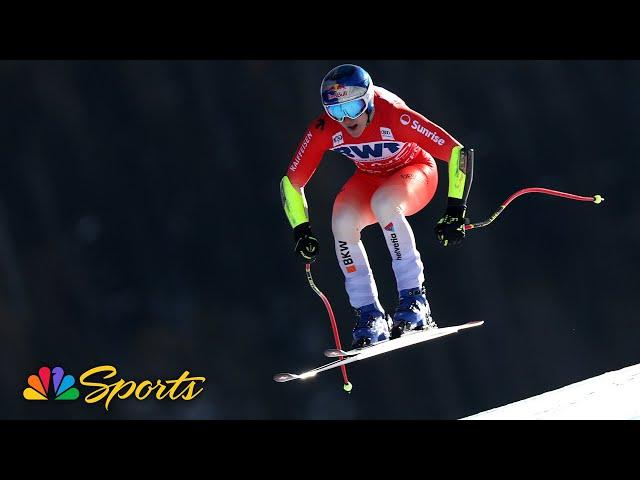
352 109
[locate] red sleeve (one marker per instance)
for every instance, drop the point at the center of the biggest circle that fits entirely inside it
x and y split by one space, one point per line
414 127
315 142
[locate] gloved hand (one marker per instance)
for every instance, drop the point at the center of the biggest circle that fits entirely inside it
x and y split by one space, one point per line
307 245
450 228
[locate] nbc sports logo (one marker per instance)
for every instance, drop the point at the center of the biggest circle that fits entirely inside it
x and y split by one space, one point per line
51 384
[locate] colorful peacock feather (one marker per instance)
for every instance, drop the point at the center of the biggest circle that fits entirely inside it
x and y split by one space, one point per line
39 385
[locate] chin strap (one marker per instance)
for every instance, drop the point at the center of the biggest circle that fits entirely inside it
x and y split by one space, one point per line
370 115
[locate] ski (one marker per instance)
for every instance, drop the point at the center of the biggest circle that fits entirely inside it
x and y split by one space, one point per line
409 338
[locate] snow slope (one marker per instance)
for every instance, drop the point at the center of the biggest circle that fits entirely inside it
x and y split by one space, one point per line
610 396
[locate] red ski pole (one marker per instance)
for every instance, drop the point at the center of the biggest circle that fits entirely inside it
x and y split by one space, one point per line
347 385
545 191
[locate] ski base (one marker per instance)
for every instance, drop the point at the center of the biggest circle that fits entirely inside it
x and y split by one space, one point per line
424 335
350 356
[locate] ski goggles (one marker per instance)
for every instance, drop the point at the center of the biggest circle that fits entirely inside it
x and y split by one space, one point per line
352 109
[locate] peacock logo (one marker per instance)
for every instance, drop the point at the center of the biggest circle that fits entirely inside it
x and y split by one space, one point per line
51 384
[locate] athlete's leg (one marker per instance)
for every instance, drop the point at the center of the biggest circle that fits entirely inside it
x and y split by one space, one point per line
404 193
351 213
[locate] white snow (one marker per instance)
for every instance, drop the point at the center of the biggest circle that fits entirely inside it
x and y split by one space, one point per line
610 396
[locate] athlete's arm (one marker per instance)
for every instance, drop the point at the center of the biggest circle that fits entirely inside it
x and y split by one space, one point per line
460 176
301 168
414 127
440 144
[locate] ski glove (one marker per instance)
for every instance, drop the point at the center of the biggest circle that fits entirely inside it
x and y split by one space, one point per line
450 228
307 245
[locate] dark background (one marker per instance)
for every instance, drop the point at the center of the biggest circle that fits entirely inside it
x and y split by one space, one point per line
141 227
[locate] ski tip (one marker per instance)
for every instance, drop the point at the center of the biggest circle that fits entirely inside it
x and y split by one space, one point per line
334 352
283 377
476 323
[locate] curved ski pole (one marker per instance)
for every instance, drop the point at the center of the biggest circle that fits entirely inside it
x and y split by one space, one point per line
546 191
347 385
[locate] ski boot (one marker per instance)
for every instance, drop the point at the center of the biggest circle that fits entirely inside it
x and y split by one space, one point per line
413 312
372 326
